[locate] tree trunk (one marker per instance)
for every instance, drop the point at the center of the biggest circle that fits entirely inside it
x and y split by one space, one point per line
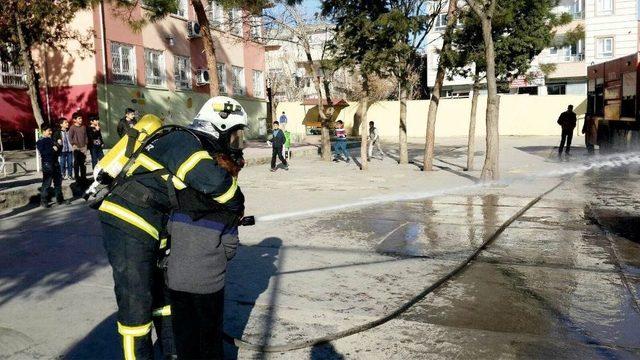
209 48
363 108
324 135
403 149
471 141
490 170
33 84
437 88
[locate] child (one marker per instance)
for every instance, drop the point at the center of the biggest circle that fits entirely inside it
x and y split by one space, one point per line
95 140
66 154
341 141
277 142
48 150
374 139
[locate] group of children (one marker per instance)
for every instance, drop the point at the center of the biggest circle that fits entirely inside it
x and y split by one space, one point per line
278 140
66 149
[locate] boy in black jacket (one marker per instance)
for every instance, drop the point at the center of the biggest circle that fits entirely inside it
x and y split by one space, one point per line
95 140
49 152
277 142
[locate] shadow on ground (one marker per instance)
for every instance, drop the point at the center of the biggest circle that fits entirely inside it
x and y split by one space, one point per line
45 252
241 295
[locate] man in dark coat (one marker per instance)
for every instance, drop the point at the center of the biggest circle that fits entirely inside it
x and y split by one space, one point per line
567 121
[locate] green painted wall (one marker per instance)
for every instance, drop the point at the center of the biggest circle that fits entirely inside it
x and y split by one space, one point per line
176 107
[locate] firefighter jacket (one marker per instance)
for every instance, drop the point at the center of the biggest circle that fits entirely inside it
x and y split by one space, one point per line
169 167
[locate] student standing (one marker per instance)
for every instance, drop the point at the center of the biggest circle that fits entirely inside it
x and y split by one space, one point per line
96 144
374 139
341 142
128 121
66 150
79 142
48 150
278 145
283 120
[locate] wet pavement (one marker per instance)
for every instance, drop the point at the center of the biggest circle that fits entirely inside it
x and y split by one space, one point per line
557 283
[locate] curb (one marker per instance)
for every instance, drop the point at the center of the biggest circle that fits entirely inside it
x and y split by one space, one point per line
30 194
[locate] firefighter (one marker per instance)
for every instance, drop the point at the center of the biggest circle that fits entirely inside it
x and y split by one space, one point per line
166 175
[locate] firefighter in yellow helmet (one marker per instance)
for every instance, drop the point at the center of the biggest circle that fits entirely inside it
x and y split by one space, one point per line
176 169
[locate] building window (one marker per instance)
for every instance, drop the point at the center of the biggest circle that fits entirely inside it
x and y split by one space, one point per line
604 7
217 15
123 63
573 52
222 78
256 27
556 89
235 21
183 9
238 81
11 75
577 10
604 47
258 84
182 72
154 67
553 51
441 22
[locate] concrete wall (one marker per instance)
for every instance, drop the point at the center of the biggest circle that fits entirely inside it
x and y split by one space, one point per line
519 115
176 107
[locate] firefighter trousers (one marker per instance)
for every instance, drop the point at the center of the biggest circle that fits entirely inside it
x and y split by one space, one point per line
140 291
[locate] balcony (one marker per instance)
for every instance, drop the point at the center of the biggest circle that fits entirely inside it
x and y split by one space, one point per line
578 15
572 58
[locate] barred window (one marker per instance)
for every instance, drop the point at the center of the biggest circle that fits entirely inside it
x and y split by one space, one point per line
235 21
154 67
183 9
258 84
238 81
222 78
123 64
11 75
182 72
256 27
217 15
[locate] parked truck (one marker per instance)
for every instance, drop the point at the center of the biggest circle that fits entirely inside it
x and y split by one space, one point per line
613 102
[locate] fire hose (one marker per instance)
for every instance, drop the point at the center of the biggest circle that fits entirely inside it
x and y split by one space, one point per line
242 344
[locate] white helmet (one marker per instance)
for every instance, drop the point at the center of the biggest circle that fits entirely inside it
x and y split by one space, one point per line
222 117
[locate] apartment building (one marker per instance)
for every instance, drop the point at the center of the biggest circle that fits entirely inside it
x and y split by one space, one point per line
610 31
289 72
161 69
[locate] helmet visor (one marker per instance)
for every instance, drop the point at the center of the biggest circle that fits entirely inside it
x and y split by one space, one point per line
237 140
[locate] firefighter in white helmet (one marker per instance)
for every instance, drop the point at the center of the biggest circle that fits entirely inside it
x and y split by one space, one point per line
188 171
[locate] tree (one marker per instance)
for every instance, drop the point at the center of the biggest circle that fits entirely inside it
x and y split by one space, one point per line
406 26
29 25
485 10
290 24
500 38
429 146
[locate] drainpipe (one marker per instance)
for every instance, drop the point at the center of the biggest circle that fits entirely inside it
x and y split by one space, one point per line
46 83
103 32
